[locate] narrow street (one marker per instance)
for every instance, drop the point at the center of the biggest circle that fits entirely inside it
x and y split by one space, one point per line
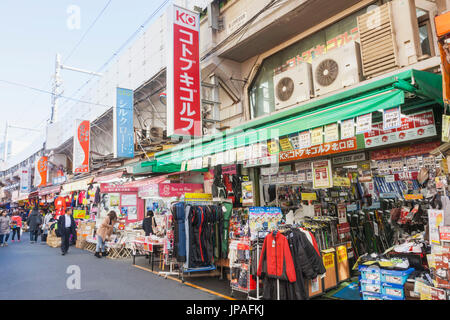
37 271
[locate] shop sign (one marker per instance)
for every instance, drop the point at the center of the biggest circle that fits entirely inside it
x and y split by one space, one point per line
339 181
25 177
304 139
229 169
435 221
79 214
41 171
295 140
349 158
444 233
383 166
341 253
289 178
183 73
414 126
178 189
391 118
445 128
285 144
363 123
322 174
268 171
261 161
319 150
108 177
273 146
331 132
123 124
343 228
49 190
148 191
412 163
317 136
397 165
81 146
109 188
413 150
347 129
59 180
328 260
240 154
198 196
406 175
247 193
309 196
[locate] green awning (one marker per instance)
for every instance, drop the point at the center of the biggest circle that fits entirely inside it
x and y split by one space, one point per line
153 167
376 95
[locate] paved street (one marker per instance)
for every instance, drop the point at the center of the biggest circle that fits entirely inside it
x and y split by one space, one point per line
37 271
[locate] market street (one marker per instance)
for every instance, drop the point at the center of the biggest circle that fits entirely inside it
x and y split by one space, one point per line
37 271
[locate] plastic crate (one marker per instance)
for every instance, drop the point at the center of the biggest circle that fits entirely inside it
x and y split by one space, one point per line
371 296
372 286
395 276
370 273
393 290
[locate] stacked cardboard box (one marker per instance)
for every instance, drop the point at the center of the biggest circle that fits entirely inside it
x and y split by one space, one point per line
85 229
52 240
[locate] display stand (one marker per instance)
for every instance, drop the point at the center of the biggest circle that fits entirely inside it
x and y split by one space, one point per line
242 265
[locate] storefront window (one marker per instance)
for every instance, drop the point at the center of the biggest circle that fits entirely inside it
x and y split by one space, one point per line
261 92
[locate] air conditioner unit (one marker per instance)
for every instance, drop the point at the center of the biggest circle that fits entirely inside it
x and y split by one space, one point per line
389 37
293 86
336 69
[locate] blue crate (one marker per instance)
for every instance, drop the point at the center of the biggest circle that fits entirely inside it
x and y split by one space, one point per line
395 276
393 290
371 296
370 273
372 286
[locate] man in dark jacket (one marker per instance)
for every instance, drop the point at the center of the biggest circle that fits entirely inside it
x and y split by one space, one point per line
66 228
34 222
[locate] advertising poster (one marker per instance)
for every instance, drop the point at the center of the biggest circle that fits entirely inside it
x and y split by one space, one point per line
247 193
114 199
304 139
435 220
317 136
331 132
132 213
347 129
391 118
322 174
81 146
364 123
129 200
263 218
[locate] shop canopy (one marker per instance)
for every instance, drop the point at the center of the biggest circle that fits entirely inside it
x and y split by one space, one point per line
82 184
374 96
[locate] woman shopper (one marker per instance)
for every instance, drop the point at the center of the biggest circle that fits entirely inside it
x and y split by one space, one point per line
34 222
5 222
16 225
104 232
149 224
48 219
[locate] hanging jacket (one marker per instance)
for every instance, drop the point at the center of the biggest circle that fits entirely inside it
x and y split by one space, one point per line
276 259
226 228
97 196
180 232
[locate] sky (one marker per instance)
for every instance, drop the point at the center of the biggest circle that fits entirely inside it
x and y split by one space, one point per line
34 31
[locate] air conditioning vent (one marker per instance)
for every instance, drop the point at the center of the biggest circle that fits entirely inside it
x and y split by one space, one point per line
293 86
336 69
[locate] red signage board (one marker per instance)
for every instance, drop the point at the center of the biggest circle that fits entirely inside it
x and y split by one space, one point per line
319 150
110 188
406 151
183 73
178 189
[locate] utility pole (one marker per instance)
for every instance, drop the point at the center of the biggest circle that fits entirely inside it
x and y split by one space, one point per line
57 84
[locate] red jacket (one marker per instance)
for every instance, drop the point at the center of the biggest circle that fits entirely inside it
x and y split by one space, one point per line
276 259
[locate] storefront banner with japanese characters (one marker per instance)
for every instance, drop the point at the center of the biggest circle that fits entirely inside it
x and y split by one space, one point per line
413 126
322 174
319 150
81 146
123 124
391 118
183 73
41 172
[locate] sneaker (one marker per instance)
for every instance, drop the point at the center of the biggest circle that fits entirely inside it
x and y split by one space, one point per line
12 240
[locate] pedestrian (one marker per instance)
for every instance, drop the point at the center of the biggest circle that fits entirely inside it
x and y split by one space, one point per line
5 222
48 219
66 228
104 232
34 222
16 226
149 224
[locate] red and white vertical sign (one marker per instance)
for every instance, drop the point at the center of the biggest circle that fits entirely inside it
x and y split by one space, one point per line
81 146
183 73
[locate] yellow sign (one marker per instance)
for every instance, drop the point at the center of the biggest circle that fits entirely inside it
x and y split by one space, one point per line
328 260
79 214
413 196
309 196
317 136
341 181
273 147
198 196
445 127
285 144
341 253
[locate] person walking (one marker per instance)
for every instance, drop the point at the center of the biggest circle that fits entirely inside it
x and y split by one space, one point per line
16 225
66 228
104 232
5 230
34 222
48 219
149 224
